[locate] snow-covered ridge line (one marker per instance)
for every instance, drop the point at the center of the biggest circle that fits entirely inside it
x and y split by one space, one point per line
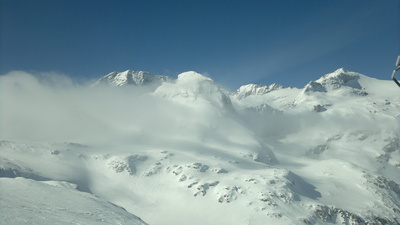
131 77
340 80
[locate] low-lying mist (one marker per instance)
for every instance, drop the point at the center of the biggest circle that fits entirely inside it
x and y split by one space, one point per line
53 108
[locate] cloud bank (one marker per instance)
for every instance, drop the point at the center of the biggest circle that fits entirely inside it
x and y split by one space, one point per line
50 107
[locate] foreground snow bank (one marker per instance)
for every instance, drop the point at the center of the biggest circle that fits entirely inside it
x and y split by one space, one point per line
25 201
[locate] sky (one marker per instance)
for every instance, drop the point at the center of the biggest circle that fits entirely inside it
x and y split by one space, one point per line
290 42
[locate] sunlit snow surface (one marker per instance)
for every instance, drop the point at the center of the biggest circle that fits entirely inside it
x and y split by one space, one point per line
25 201
186 151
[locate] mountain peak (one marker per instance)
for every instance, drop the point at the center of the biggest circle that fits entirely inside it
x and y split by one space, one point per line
192 86
335 80
341 70
131 77
193 76
255 89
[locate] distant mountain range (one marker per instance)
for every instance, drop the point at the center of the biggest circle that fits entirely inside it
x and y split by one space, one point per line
187 151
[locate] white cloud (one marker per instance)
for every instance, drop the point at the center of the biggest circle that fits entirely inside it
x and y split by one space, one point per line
50 107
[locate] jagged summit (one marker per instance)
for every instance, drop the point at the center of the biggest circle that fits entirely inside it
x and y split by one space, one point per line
333 81
341 70
340 84
131 77
255 89
340 77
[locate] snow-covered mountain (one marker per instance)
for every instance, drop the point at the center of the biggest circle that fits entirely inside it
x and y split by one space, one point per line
130 77
255 89
189 152
192 86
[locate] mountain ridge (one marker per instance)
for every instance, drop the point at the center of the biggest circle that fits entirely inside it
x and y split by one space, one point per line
131 77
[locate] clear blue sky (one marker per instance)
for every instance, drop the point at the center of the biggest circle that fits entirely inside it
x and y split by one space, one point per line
290 42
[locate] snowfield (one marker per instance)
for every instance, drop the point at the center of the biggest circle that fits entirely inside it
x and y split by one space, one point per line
26 201
186 151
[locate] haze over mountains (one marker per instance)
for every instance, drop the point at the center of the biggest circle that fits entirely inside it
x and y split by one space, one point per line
187 151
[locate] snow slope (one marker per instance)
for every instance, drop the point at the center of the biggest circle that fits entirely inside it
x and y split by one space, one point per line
26 201
188 152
